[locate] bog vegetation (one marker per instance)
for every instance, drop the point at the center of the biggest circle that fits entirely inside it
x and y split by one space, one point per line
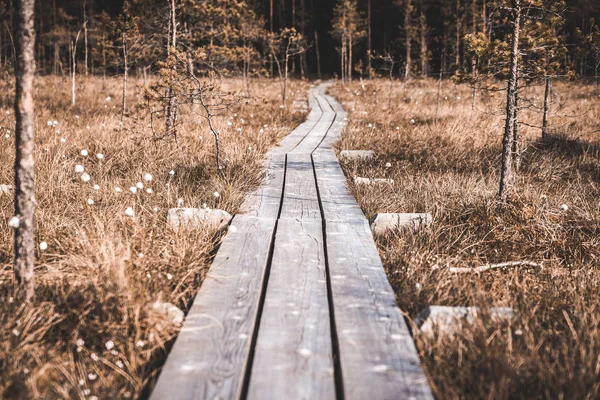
484 112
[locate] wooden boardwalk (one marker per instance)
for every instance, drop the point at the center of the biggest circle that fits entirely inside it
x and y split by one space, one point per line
296 304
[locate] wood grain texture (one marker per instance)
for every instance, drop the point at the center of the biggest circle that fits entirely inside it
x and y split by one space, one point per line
208 360
300 199
377 354
293 354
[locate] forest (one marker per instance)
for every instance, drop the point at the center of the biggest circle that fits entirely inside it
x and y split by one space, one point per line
252 199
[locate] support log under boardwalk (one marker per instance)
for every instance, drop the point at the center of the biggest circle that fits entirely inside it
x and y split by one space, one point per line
296 304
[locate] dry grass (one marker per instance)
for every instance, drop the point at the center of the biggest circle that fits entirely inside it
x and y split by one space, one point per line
448 164
102 268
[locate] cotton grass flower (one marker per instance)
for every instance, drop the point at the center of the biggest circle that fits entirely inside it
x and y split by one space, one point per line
118 189
133 189
79 168
14 222
564 207
216 195
109 345
90 202
84 152
85 177
139 185
96 187
171 172
100 156
43 246
388 164
148 178
179 202
129 212
149 191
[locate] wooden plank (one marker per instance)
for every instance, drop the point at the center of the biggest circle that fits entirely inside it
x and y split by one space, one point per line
293 354
264 201
318 133
336 199
208 360
377 355
300 199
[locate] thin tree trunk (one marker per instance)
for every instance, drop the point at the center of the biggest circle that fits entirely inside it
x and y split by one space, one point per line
350 59
516 152
343 60
126 68
547 84
511 99
24 241
423 37
458 31
369 43
318 55
171 111
85 38
407 27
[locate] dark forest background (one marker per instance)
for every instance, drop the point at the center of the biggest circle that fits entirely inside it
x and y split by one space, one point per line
446 22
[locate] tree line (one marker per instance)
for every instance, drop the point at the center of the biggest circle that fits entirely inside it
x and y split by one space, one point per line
424 37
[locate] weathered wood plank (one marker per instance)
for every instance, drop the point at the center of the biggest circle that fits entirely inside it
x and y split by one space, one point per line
377 354
293 354
300 199
208 360
264 202
319 131
336 199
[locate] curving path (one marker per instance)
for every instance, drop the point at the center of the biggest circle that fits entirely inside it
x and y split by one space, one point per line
296 304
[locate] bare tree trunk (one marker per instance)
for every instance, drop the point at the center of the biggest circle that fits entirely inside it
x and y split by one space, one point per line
24 242
511 99
318 55
125 70
85 37
369 44
343 59
458 31
516 151
408 28
547 84
423 37
171 111
350 59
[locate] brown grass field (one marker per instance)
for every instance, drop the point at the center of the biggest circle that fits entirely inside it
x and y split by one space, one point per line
89 332
447 163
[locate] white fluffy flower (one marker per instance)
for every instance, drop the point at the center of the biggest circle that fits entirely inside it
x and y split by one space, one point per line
63 140
118 189
90 202
43 246
179 202
564 207
140 343
149 191
109 345
216 195
133 189
119 364
171 172
85 177
129 212
412 121
80 342
139 185
84 152
14 222
148 177
388 165
96 187
99 156
79 168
